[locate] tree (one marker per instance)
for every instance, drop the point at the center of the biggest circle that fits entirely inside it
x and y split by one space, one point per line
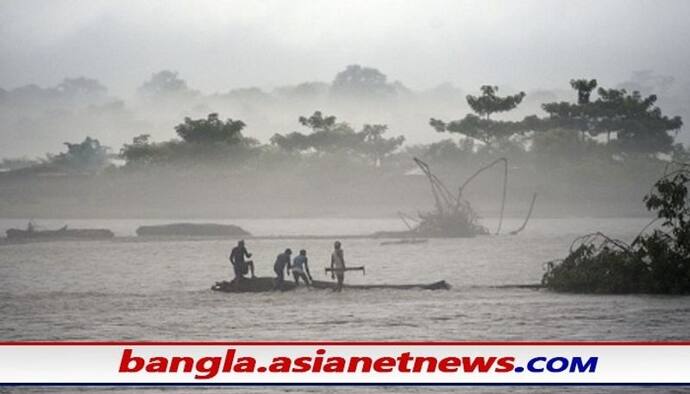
330 136
482 127
165 84
211 130
248 94
141 150
70 89
448 150
292 142
203 141
81 88
11 164
489 103
375 146
317 122
86 156
327 135
490 132
638 124
356 80
304 90
560 146
584 89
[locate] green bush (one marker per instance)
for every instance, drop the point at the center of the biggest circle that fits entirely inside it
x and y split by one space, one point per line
658 262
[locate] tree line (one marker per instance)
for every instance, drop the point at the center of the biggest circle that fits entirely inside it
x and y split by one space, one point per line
612 124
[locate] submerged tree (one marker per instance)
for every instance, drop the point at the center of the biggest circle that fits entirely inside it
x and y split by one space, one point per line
658 262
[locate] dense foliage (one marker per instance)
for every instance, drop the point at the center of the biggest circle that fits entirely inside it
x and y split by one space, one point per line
201 140
86 156
165 84
636 122
639 125
658 262
330 136
481 127
489 103
360 81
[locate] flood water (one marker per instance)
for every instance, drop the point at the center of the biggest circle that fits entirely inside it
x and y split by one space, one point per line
133 289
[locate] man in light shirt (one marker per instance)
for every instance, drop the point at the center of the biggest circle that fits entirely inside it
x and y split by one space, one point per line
338 266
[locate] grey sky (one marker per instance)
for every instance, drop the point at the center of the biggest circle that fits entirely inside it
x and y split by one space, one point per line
217 45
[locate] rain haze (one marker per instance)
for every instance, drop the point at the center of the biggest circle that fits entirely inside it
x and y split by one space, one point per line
217 47
501 170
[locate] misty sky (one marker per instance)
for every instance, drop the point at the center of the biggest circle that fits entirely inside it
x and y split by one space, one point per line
220 45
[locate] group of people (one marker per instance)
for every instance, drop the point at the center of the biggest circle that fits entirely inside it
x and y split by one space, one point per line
284 264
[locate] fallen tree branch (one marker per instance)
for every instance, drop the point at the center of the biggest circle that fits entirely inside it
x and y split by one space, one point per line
529 214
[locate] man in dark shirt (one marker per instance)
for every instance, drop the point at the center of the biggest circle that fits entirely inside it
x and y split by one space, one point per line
300 268
239 265
282 264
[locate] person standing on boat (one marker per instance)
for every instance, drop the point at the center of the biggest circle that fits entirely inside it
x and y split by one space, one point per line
282 265
300 268
338 266
239 264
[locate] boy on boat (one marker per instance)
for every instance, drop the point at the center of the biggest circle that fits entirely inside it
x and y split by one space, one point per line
300 268
338 266
282 264
239 265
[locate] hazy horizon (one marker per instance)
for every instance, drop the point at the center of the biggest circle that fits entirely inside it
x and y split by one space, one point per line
532 46
217 46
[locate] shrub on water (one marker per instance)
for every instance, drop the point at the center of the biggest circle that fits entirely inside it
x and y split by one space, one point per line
658 262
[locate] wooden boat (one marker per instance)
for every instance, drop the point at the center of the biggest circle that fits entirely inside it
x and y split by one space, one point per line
193 230
405 241
63 233
264 284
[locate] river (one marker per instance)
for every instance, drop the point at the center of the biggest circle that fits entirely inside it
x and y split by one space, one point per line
134 289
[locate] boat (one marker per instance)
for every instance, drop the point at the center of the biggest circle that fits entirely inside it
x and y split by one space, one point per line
405 241
64 233
193 230
265 284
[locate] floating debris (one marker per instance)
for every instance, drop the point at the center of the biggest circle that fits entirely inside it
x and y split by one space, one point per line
453 216
31 233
